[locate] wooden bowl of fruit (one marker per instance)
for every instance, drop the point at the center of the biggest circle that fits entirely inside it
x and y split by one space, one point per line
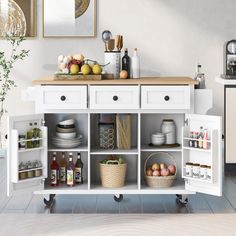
160 175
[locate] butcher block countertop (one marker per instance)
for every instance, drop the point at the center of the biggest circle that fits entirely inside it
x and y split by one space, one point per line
141 81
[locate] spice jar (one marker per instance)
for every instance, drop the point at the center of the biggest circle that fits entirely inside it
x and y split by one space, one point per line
189 169
37 172
22 175
169 129
209 173
30 173
22 143
196 170
203 172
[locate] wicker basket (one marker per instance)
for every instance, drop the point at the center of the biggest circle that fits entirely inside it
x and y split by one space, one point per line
160 181
113 176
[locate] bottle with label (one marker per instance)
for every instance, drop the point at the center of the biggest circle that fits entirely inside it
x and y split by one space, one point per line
70 178
36 135
79 170
62 170
29 135
54 171
200 78
201 134
126 62
205 139
135 65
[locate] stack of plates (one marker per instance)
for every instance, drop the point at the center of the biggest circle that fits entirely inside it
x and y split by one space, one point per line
158 139
66 136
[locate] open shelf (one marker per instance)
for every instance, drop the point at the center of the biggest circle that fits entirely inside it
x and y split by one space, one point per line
27 170
148 148
197 149
127 186
30 149
132 151
83 148
31 179
194 139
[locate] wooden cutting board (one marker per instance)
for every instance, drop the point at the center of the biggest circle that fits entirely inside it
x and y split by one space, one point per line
77 77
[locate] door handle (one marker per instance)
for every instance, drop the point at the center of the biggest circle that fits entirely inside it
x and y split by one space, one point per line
63 98
115 98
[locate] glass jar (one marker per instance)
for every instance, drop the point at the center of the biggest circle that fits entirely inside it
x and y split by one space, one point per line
106 135
22 143
196 170
169 129
22 175
203 172
189 169
209 173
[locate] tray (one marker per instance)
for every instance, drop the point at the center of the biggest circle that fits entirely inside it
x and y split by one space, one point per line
64 77
165 145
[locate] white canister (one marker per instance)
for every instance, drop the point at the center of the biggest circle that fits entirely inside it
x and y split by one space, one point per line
203 172
114 60
189 169
209 173
196 170
169 129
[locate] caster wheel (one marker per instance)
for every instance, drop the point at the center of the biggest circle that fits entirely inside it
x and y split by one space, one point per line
49 202
182 202
118 198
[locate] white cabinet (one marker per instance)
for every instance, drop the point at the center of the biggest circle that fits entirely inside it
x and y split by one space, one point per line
165 97
114 97
124 99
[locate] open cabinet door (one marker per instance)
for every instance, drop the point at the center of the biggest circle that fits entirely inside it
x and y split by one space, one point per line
210 156
31 175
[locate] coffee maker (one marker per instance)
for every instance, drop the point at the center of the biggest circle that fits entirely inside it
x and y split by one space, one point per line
230 59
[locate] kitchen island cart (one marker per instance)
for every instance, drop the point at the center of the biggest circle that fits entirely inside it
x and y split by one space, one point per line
148 101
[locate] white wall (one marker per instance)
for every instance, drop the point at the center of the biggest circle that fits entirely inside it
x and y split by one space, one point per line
172 36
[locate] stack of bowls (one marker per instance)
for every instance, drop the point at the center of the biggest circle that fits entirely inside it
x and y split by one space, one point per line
66 136
158 139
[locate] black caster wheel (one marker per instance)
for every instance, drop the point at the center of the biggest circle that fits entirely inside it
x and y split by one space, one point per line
49 202
118 198
182 201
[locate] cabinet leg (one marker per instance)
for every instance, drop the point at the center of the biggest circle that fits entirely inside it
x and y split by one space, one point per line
50 201
118 197
182 199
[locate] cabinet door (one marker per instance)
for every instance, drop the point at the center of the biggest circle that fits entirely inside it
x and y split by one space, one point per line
211 155
31 175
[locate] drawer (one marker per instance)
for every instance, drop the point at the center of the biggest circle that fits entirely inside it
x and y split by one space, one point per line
165 97
61 97
114 97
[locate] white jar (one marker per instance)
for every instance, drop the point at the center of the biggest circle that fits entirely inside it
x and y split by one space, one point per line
169 129
209 173
189 169
203 172
196 171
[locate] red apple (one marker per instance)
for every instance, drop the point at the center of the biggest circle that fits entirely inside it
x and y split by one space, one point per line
156 173
165 172
172 169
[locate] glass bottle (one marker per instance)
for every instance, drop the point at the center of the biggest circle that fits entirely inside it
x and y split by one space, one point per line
200 78
54 171
126 62
70 179
79 170
135 65
205 139
29 135
62 170
37 135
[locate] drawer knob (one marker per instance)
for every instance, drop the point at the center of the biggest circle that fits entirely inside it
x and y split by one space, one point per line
63 98
167 98
115 98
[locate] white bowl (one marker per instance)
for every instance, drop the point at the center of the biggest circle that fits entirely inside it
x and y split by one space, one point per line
66 135
158 141
67 122
158 135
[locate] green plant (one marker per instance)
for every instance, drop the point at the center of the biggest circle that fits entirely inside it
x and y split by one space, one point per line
7 62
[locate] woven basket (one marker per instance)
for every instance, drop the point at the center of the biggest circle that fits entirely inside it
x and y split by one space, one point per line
160 181
113 176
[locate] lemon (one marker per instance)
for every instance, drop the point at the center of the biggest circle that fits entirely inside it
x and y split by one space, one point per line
86 69
97 69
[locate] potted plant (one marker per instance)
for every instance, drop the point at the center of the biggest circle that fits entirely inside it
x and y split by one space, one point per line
7 62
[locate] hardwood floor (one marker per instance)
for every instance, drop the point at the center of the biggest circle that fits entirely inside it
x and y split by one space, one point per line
131 204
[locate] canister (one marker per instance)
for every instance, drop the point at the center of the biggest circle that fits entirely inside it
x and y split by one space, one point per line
169 129
189 169
209 173
196 170
203 172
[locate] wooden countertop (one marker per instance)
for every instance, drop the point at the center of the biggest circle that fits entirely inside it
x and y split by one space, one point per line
143 81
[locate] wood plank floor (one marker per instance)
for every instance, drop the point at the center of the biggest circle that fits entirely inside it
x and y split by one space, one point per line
132 204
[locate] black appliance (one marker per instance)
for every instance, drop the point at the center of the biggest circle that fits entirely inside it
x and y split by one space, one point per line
230 59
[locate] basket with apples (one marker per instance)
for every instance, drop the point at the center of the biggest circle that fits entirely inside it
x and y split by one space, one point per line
77 64
160 175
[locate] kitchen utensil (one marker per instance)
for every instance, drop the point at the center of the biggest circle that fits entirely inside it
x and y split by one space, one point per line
61 130
113 58
111 44
106 36
120 43
117 42
66 135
